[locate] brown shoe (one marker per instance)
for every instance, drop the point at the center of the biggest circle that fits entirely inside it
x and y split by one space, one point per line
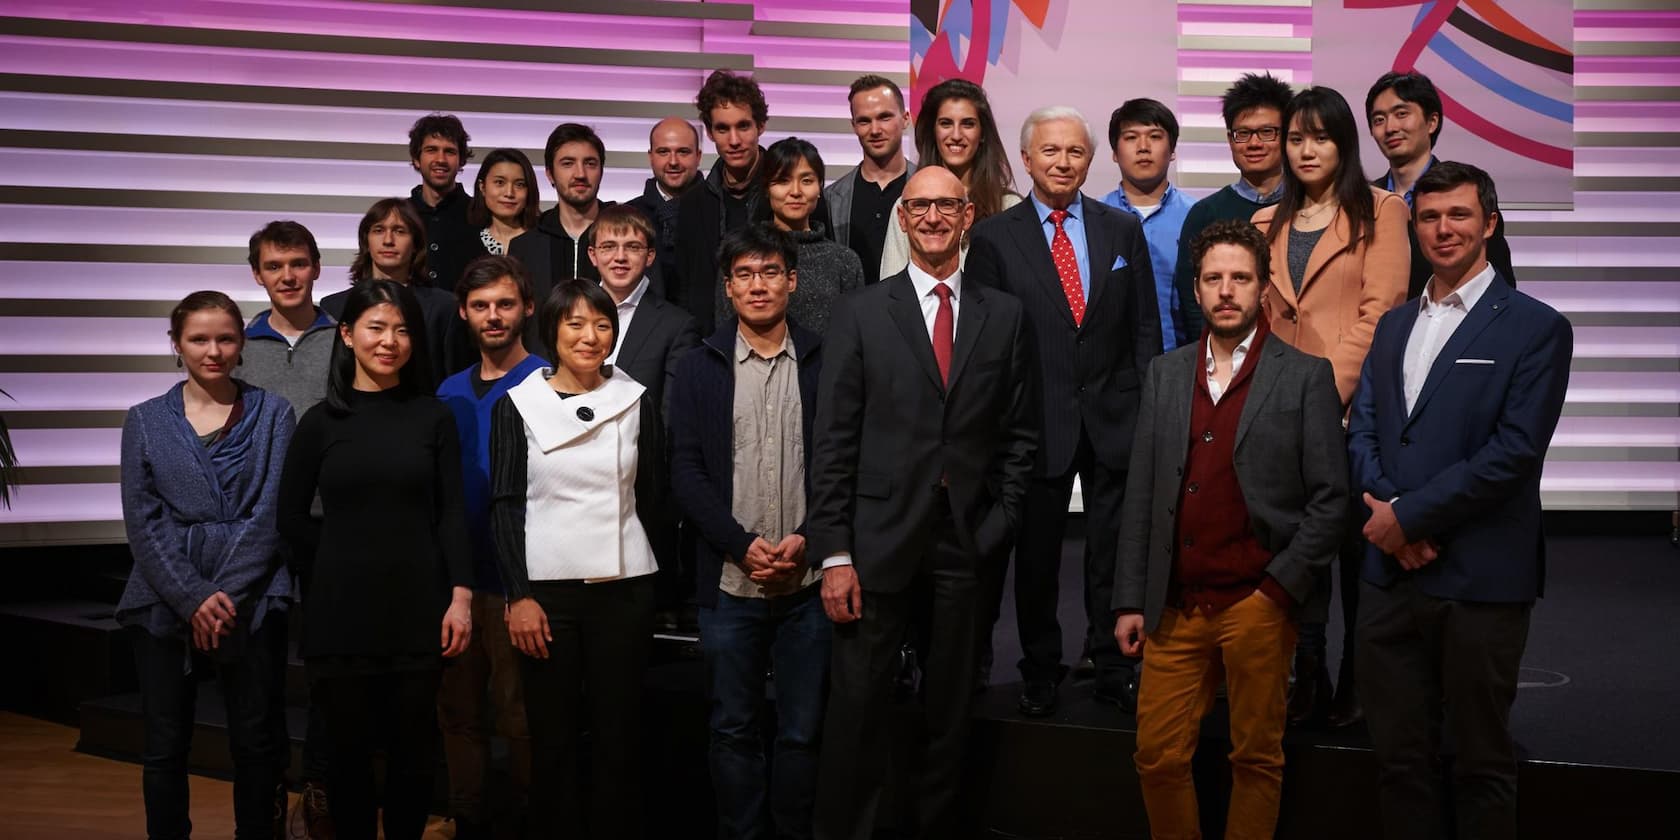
1309 701
1346 710
310 819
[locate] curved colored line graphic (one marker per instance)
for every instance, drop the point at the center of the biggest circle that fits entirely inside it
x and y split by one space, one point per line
1502 20
1489 78
940 61
1510 45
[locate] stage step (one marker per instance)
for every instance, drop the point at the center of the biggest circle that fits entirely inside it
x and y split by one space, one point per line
113 727
60 653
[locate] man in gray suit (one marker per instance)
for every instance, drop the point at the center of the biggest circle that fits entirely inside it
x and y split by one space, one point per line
1234 508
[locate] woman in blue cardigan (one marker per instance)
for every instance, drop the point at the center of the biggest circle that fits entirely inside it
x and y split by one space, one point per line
200 467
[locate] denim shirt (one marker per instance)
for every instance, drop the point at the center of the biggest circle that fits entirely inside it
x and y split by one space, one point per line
1161 230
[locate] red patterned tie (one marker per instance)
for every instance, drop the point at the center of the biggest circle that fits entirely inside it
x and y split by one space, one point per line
944 329
1067 267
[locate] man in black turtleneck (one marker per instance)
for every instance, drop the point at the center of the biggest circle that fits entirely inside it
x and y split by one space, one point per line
674 158
733 110
437 149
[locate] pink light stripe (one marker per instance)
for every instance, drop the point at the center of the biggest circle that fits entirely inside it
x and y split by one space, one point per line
1617 387
64 503
1298 15
1617 431
1606 109
1654 64
1244 61
1581 296
1597 251
83 391
68 447
145 281
419 23
1639 19
1611 476
1627 342
69 226
33 336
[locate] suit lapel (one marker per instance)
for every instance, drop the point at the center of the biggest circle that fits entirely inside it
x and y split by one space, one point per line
1280 270
1028 233
1490 307
906 313
1179 389
640 326
1100 246
971 315
1260 385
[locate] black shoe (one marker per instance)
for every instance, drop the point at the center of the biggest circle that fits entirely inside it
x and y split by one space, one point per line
1084 669
1038 698
1309 701
1346 710
1118 690
909 674
982 678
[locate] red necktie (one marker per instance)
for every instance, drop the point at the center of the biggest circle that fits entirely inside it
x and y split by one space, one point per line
1067 267
944 328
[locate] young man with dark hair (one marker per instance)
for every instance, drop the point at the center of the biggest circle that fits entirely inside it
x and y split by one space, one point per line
556 249
674 157
755 380
653 334
1143 135
1253 112
287 348
861 203
437 149
1456 406
494 296
1226 537
1404 113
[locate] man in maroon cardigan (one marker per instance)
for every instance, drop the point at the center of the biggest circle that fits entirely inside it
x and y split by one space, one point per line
1234 508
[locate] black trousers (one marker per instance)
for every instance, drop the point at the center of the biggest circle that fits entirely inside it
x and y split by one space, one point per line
592 678
394 711
946 596
252 683
1413 650
1038 565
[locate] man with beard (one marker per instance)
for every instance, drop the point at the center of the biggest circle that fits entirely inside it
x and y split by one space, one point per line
437 149
556 249
861 203
674 157
495 300
1236 499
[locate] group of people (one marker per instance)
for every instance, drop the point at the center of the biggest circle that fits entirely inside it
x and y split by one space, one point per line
830 415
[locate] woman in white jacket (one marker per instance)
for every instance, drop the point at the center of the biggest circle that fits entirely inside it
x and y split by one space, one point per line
577 566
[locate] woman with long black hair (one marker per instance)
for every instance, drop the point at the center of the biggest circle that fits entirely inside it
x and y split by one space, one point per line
199 468
388 566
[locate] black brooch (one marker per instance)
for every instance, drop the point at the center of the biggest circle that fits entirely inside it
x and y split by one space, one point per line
586 414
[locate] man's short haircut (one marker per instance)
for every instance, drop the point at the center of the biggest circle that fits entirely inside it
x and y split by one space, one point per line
686 124
1145 112
1410 87
1254 90
1053 113
1449 175
487 270
726 88
1239 232
620 219
447 126
871 82
561 301
761 240
285 234
572 133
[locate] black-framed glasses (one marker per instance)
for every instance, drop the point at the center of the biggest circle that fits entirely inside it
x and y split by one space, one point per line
1269 134
770 274
946 206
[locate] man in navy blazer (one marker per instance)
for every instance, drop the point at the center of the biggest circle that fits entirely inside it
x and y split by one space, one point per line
1081 270
1456 405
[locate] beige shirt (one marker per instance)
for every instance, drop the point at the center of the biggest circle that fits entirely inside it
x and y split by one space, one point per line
768 490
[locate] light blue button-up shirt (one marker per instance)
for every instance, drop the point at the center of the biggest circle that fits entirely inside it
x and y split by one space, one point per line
1247 190
1074 225
1161 231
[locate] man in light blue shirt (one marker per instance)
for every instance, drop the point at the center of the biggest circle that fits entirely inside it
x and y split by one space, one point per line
1143 135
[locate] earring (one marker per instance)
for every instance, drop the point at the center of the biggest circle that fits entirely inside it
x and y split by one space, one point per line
178 361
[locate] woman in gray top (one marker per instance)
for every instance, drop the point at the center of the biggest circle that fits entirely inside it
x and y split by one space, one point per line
793 176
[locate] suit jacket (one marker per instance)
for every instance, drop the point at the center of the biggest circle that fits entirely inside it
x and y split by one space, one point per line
1465 462
1498 252
1087 376
1345 291
659 335
887 432
839 198
1290 463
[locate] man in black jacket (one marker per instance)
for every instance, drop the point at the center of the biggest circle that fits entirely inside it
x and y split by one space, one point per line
734 112
556 249
674 157
437 149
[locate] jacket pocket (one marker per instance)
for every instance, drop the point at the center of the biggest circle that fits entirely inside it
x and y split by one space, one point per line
874 486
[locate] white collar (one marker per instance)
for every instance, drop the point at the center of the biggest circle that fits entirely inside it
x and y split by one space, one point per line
1468 293
924 282
1237 355
555 422
634 299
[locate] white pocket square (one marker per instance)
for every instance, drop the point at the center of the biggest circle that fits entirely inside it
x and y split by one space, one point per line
1473 362
1119 263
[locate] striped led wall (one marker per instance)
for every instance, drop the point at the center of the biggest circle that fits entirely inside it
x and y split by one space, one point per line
142 142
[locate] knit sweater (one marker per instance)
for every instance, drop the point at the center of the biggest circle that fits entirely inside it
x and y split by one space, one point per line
200 519
1225 204
472 427
297 371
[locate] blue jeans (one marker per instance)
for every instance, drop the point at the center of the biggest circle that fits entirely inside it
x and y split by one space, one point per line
742 638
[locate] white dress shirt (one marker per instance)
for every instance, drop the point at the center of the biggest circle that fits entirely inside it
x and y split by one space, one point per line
627 311
924 283
1437 320
1238 356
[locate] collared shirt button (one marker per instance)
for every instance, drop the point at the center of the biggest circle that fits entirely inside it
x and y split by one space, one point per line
1194 487
1207 436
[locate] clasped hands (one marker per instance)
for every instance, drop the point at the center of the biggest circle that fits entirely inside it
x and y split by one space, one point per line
770 565
1383 531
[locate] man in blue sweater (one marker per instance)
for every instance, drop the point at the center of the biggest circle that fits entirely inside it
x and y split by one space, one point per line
495 299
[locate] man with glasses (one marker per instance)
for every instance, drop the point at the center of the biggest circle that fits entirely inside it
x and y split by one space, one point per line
1253 112
653 335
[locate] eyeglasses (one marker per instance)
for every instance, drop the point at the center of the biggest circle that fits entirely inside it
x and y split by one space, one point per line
770 273
634 249
947 206
1268 134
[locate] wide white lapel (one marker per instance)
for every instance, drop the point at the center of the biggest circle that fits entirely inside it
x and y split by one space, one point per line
555 422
